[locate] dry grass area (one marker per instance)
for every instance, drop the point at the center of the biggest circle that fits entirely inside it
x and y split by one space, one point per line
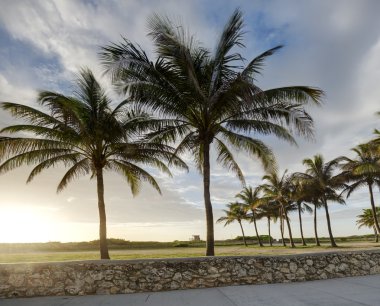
180 252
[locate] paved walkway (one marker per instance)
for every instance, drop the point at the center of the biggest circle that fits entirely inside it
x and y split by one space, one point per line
364 290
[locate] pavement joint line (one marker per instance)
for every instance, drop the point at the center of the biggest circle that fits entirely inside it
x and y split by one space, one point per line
147 298
226 296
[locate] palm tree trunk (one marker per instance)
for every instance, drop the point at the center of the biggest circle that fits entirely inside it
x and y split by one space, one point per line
242 231
301 229
270 237
207 198
317 243
282 228
257 233
332 241
289 229
374 214
102 216
376 234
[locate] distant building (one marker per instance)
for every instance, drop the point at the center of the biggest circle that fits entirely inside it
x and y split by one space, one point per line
196 238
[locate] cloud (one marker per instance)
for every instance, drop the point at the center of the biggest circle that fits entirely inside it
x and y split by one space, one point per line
73 31
334 46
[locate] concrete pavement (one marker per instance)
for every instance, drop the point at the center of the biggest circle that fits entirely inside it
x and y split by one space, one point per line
363 290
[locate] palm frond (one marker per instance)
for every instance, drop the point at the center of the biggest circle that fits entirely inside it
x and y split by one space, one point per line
254 147
255 66
133 174
31 157
66 160
10 146
34 117
226 158
223 66
260 127
82 167
298 94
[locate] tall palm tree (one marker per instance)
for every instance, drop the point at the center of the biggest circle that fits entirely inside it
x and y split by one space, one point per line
205 98
251 201
316 205
270 212
299 194
83 132
366 219
311 196
364 170
236 212
273 211
277 190
322 184
301 208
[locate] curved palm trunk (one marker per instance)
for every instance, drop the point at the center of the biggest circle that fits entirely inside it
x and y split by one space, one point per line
332 241
207 198
242 231
375 220
270 237
317 243
289 229
257 233
300 219
102 216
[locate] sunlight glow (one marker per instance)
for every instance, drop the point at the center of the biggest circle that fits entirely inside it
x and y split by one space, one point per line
23 224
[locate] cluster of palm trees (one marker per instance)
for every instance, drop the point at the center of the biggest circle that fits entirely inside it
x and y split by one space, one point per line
187 100
321 183
366 220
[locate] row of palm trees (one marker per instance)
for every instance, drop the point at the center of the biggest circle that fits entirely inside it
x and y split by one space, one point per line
187 99
320 184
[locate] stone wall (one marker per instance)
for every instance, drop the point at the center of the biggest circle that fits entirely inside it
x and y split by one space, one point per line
108 277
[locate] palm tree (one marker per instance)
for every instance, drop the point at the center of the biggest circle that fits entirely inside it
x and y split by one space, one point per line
299 194
301 208
206 98
84 133
364 170
317 205
277 190
236 212
251 202
321 182
269 211
366 219
311 196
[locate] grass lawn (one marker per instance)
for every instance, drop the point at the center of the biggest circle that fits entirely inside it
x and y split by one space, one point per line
50 256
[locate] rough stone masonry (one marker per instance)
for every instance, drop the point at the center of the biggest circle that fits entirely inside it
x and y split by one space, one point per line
119 276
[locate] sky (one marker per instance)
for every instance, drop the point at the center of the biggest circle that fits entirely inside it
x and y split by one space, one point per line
333 45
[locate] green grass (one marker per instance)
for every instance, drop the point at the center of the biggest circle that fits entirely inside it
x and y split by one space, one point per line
121 244
172 252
